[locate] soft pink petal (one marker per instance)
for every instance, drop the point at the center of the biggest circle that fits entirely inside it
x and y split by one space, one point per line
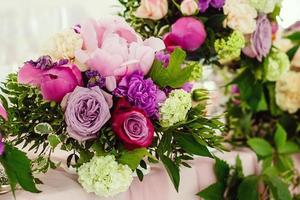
111 83
30 75
82 56
89 35
104 62
3 112
155 43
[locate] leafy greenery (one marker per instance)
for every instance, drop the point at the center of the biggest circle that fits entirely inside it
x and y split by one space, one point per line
174 75
18 169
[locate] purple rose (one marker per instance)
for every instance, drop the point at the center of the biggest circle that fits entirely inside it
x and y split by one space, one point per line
204 4
86 111
1 145
261 39
141 93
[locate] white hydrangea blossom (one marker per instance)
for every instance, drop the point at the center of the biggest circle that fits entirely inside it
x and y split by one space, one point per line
104 176
175 108
241 16
265 6
288 92
63 45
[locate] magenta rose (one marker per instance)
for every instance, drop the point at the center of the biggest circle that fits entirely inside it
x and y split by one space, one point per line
86 111
54 79
187 33
132 126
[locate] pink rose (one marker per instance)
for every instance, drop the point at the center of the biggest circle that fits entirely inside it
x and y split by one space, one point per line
152 9
114 49
3 112
187 33
132 126
55 82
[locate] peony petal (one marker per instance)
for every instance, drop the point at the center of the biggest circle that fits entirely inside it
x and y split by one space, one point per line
30 75
3 113
89 35
155 43
110 83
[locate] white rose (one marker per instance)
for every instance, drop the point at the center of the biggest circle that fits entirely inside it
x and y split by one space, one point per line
288 92
241 16
152 9
63 45
189 7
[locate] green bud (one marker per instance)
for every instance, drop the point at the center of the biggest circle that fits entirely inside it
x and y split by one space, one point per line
200 95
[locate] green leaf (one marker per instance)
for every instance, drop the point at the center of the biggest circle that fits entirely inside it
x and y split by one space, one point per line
172 169
53 140
18 168
292 52
43 129
221 170
278 188
174 75
260 146
190 145
280 137
289 148
133 158
248 189
213 192
295 37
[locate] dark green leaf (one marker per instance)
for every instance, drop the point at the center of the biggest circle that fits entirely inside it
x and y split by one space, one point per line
295 37
248 189
292 52
260 146
140 174
221 170
172 169
213 192
189 144
278 188
18 168
280 137
174 75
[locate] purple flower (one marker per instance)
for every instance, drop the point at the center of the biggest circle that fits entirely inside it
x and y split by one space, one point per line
1 145
163 57
86 111
187 87
204 4
77 28
45 62
261 39
94 79
141 93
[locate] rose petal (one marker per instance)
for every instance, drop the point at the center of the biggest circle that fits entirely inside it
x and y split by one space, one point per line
30 75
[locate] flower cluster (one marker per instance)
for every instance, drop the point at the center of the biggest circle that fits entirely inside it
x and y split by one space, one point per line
107 93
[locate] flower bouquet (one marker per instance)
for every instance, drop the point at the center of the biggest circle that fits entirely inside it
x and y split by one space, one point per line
114 101
243 37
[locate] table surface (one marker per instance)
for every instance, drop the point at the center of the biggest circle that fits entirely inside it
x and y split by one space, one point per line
61 185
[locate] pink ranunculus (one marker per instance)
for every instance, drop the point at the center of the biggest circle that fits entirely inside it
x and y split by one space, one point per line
113 48
55 82
187 33
3 112
132 126
152 9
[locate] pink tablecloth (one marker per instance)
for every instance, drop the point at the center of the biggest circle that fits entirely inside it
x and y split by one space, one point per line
60 185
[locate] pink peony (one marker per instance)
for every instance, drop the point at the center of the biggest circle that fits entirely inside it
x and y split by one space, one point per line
3 112
187 33
114 49
55 82
152 9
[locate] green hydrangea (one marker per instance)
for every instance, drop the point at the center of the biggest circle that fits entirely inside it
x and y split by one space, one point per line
175 108
104 176
276 64
230 48
265 6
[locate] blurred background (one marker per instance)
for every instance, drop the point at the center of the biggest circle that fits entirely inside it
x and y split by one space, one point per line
26 24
